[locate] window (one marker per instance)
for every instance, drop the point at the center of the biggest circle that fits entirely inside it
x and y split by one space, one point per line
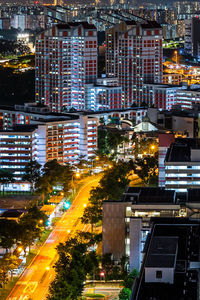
158 274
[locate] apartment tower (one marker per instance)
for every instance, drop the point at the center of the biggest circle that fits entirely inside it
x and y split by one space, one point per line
66 60
134 55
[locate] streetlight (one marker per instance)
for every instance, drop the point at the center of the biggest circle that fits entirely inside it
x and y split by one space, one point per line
41 221
77 175
153 148
97 159
102 274
176 56
19 249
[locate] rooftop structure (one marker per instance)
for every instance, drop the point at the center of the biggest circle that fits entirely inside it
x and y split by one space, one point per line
127 221
171 262
182 165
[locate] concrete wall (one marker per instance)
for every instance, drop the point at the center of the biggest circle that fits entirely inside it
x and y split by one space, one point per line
135 243
167 275
181 124
114 228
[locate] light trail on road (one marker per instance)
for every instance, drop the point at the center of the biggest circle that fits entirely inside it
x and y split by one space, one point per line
35 280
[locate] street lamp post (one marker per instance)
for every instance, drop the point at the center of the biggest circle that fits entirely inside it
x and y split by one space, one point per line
77 175
152 148
96 158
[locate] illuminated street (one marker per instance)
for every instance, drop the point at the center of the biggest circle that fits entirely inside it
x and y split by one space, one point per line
34 282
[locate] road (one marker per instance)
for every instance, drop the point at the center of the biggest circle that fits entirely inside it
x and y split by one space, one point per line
35 281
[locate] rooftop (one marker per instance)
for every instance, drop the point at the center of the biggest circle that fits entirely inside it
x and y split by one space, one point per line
182 150
162 252
21 128
12 213
171 238
68 25
141 195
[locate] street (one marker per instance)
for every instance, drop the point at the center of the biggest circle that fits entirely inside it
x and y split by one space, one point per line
34 282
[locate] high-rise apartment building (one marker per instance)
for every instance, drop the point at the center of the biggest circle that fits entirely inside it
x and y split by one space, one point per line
66 60
134 55
192 38
18 146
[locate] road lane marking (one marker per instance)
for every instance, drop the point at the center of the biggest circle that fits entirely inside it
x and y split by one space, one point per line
31 286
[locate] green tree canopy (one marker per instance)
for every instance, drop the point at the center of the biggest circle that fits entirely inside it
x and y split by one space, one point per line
130 278
32 173
8 233
71 269
31 226
125 294
6 177
146 168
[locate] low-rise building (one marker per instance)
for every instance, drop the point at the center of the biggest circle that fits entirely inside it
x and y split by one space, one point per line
188 97
172 78
182 165
65 139
126 222
17 147
170 269
161 96
103 97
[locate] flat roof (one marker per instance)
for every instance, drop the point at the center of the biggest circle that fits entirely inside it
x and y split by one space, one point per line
12 213
168 241
162 252
149 195
21 128
180 150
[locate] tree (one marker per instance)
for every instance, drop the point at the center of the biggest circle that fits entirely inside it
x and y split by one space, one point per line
55 174
3 276
31 226
32 173
125 294
114 177
71 269
146 168
124 265
143 146
8 263
130 278
11 262
92 214
5 177
107 264
109 139
43 186
8 233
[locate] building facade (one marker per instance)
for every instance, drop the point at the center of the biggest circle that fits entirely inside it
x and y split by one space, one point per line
192 38
101 97
182 165
17 147
66 60
188 97
134 55
162 96
68 140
